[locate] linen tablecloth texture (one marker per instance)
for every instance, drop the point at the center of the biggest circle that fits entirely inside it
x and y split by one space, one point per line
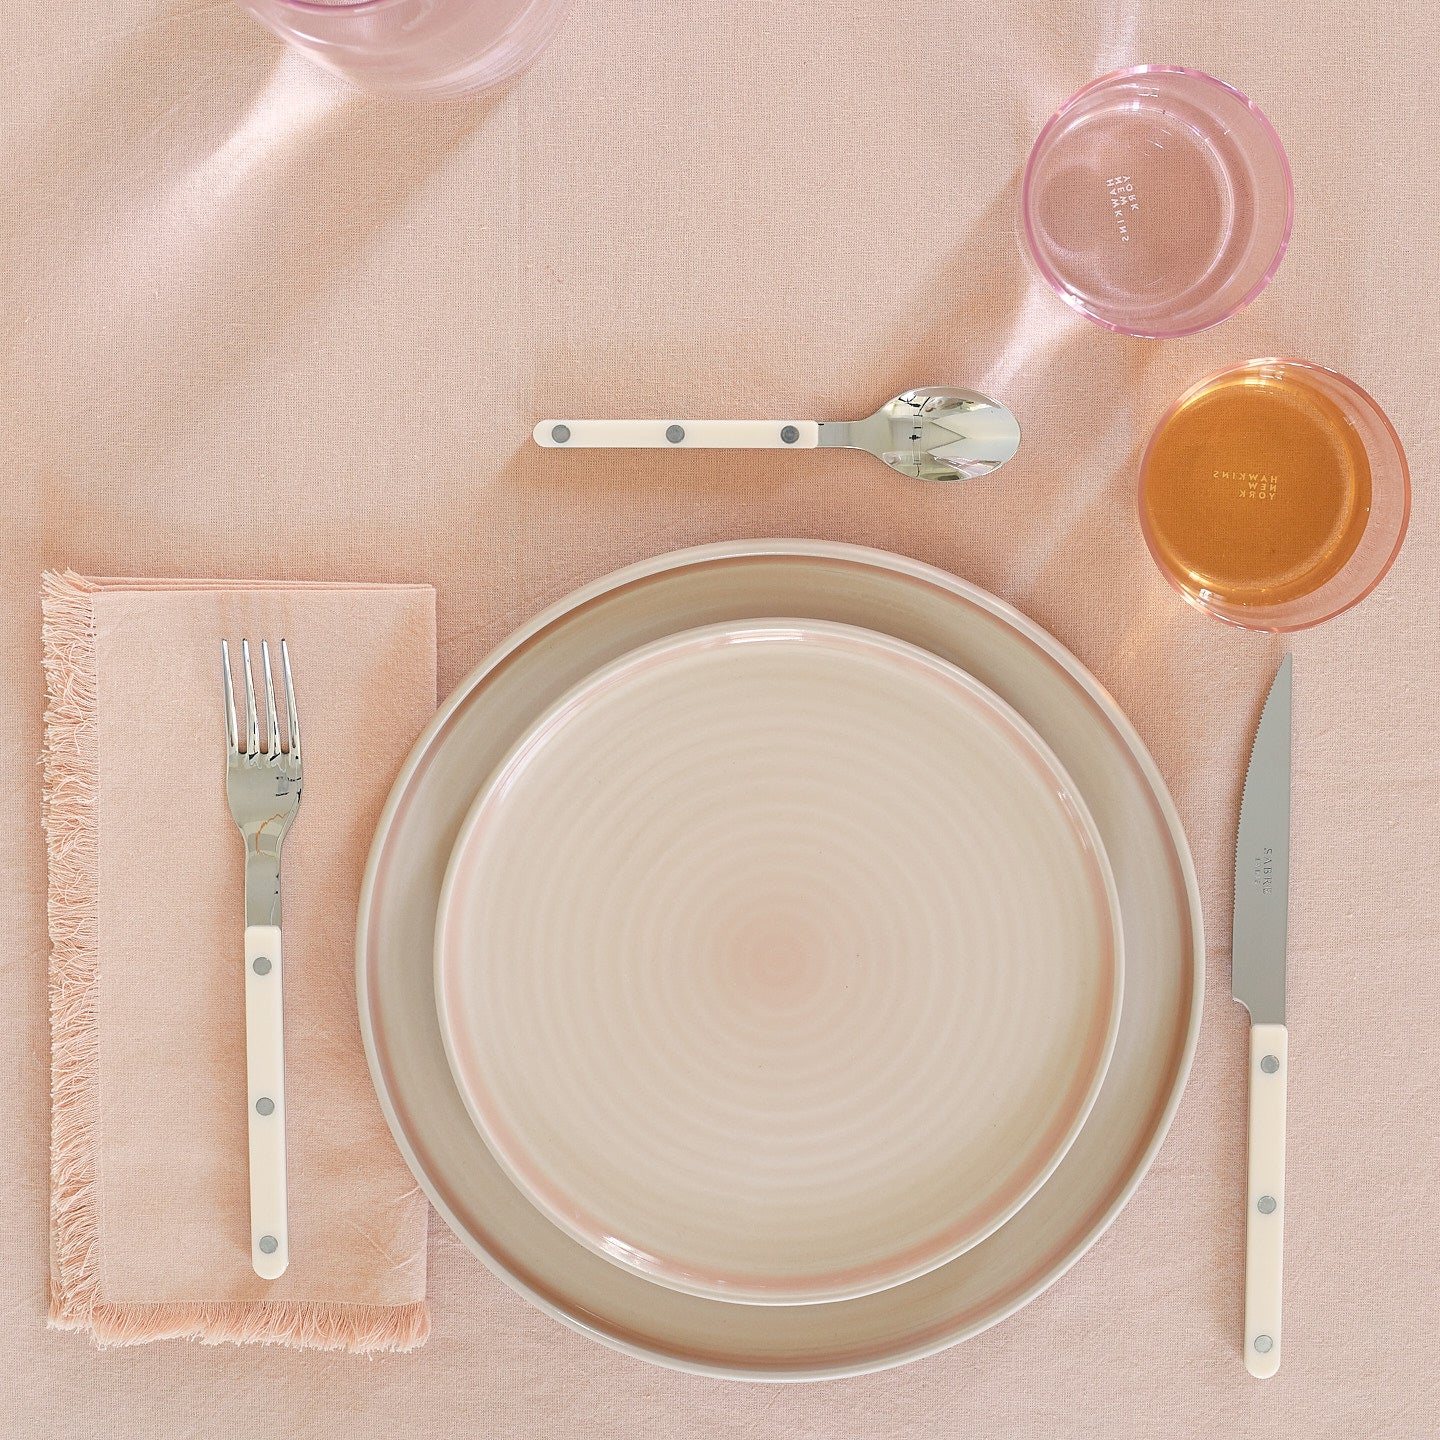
229 282
150 1233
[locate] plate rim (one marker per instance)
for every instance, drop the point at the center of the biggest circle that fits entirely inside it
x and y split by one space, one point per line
779 548
1000 713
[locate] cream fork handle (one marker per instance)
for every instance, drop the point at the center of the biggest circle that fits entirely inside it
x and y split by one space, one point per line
265 1075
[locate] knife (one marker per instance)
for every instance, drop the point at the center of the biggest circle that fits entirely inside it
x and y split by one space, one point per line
1257 979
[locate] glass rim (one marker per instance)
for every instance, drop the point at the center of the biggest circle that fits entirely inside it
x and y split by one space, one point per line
354 7
337 7
1052 279
333 36
1372 406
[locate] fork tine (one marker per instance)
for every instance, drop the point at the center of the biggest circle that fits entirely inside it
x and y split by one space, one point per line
232 739
252 720
292 716
272 720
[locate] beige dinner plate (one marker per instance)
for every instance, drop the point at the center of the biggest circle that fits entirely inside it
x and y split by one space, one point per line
779 961
475 729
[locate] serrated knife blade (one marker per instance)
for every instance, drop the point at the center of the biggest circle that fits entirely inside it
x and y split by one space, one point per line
1257 980
1262 864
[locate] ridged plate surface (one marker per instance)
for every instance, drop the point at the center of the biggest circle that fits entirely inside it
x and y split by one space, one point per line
499 701
779 962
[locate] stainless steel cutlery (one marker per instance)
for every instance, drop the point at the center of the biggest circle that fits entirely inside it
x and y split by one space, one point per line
926 434
263 778
1262 890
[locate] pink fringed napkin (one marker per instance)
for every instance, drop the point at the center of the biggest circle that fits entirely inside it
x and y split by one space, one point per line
149 1185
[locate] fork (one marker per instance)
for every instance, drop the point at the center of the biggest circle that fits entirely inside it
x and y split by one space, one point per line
262 783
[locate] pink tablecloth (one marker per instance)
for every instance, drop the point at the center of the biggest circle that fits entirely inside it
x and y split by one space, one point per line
255 325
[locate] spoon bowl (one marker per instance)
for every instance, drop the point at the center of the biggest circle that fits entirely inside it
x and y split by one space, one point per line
933 434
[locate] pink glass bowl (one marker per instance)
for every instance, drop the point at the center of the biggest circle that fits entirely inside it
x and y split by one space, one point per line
428 49
1252 497
1157 201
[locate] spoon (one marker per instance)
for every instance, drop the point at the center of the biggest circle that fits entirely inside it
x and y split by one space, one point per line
929 434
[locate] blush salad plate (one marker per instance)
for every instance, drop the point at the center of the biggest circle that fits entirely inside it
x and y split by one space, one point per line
779 962
500 700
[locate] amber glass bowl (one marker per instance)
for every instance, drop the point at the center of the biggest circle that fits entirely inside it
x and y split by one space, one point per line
1274 494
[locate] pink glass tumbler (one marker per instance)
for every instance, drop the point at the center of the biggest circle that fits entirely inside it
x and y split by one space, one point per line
429 49
1157 201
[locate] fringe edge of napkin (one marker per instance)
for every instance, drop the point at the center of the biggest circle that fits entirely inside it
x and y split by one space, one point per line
300 1324
70 761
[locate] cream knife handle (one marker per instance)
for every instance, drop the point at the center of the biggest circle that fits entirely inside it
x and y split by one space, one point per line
677 434
1265 1222
265 1074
